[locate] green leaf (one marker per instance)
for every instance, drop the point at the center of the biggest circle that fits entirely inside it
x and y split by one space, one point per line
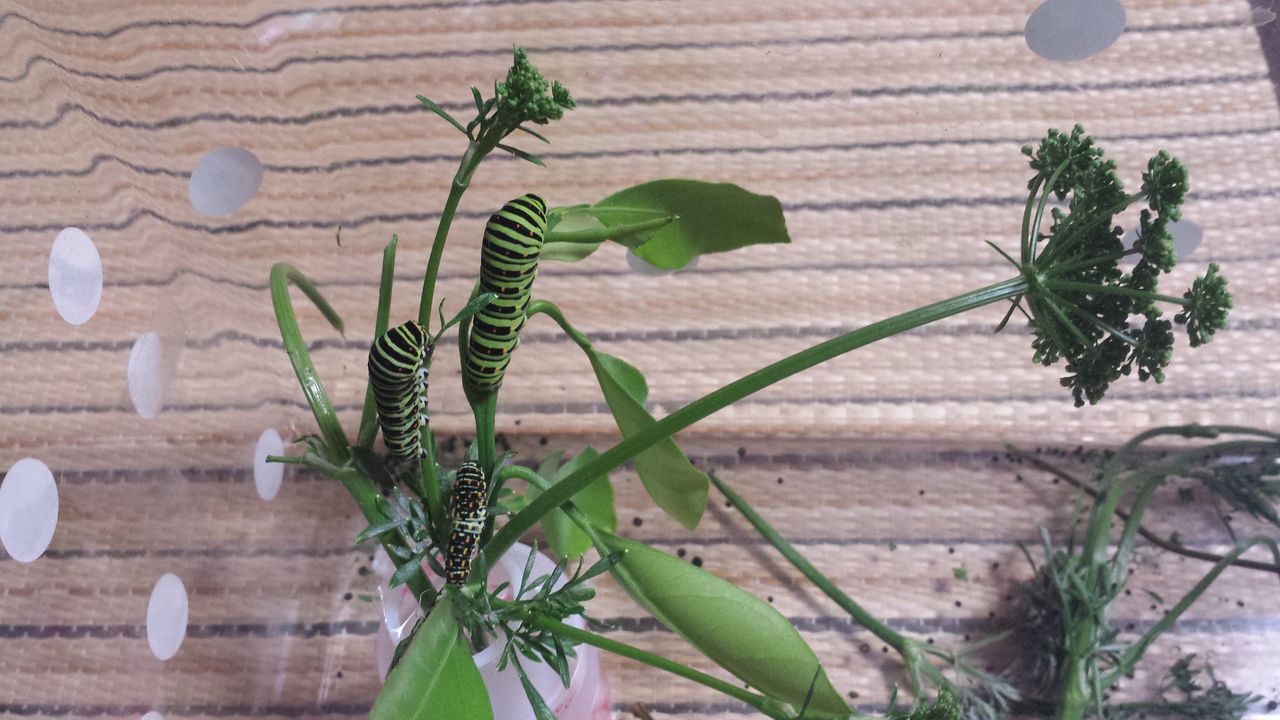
534 133
473 306
595 500
671 480
405 571
536 701
711 218
522 154
431 104
740 632
435 672
380 529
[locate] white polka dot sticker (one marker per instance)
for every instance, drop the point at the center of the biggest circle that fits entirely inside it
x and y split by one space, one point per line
28 509
75 276
1186 237
167 616
153 716
1068 30
224 180
268 476
146 388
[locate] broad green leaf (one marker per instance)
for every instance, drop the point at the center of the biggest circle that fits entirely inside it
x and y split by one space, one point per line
671 480
711 218
740 632
436 677
595 500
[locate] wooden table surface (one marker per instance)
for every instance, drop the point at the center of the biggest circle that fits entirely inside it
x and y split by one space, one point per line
891 133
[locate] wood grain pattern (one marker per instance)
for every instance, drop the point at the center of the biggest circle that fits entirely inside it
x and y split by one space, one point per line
890 131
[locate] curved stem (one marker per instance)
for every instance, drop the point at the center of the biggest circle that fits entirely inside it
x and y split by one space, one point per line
283 275
1026 218
735 391
1146 534
548 308
579 518
1044 201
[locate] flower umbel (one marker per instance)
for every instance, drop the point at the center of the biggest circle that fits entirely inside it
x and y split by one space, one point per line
523 96
1083 308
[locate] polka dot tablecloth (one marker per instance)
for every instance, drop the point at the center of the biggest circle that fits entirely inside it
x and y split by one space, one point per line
156 159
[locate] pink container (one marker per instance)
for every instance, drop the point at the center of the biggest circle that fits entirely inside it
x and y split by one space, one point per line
586 698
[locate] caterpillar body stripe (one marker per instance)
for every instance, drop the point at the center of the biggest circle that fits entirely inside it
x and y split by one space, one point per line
470 509
398 370
508 263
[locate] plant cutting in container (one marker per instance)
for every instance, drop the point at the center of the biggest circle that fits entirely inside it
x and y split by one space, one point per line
452 532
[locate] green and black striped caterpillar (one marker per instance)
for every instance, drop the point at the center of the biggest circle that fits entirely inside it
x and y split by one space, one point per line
508 264
470 509
398 364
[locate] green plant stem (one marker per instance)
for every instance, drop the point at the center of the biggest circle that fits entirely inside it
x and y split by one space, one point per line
1099 575
548 308
1099 527
283 275
1112 290
737 390
1044 201
430 481
369 415
484 413
1056 248
759 702
1026 219
476 152
859 614
1149 536
1133 654
1113 491
287 459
